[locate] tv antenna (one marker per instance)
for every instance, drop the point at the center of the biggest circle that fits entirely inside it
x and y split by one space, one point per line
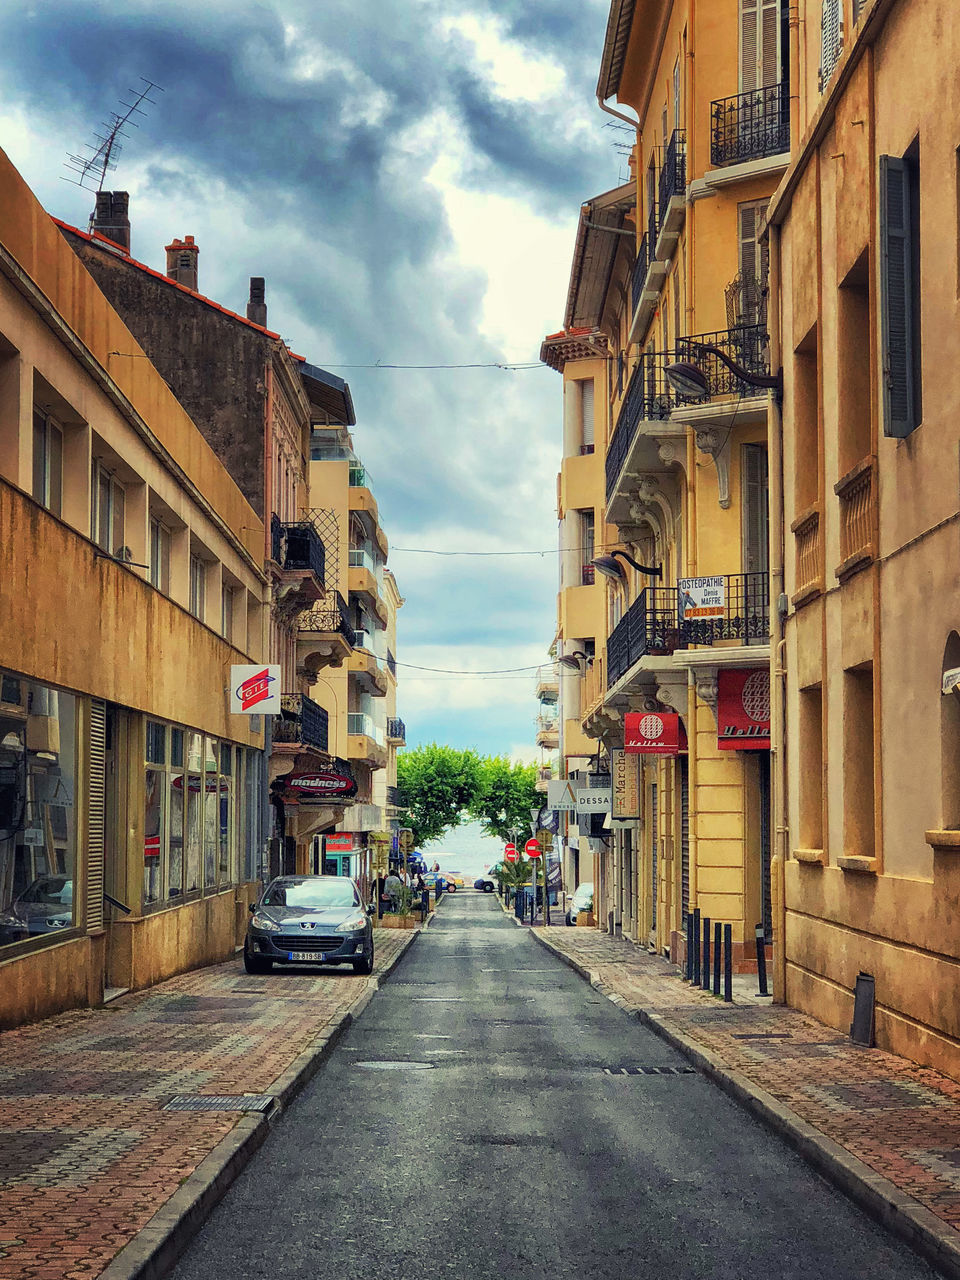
90 171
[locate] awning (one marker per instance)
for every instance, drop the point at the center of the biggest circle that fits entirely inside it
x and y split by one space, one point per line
743 710
653 733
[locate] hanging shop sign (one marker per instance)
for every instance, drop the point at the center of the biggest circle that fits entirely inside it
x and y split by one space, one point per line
561 796
653 733
255 690
339 842
322 786
625 772
593 800
743 710
702 597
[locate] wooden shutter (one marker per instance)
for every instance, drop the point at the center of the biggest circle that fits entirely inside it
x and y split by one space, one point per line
896 312
587 413
96 781
759 44
749 45
831 38
769 53
754 260
756 510
653 857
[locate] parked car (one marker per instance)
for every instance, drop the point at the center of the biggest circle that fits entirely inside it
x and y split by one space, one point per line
488 881
580 900
309 920
45 906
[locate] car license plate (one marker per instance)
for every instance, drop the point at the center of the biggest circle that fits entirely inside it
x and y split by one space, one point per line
306 955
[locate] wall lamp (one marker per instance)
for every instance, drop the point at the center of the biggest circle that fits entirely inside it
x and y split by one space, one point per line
688 379
610 569
572 660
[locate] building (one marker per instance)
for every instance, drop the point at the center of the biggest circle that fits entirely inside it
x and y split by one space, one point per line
671 270
131 799
863 255
256 402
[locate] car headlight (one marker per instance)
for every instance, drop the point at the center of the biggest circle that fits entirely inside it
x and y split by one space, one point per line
352 923
265 924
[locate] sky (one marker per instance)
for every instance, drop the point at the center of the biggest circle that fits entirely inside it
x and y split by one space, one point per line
407 177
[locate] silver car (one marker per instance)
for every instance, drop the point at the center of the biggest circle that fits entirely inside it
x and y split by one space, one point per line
309 920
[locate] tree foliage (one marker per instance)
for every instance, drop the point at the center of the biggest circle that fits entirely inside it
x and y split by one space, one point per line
437 785
504 797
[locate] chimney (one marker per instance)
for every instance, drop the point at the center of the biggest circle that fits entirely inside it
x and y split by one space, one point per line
182 262
110 217
257 307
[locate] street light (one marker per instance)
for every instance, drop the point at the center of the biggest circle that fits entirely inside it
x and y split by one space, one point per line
572 660
610 569
688 379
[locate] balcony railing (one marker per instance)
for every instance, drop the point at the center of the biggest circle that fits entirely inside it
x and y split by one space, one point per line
396 730
393 797
640 270
297 545
857 494
360 558
358 722
648 397
301 721
328 615
593 686
806 530
358 476
673 173
747 344
649 626
746 613
750 126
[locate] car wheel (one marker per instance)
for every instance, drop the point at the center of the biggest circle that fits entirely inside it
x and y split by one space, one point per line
451 888
364 964
488 888
256 964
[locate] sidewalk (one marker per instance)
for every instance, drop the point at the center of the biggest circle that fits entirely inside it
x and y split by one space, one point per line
884 1129
88 1156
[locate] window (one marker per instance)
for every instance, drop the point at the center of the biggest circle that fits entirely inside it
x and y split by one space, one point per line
754 263
198 583
586 408
38 805
858 806
107 509
226 613
760 44
810 770
806 418
900 292
160 556
586 547
676 94
47 462
831 39
853 365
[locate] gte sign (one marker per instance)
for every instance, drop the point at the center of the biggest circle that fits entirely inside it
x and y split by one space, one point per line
255 690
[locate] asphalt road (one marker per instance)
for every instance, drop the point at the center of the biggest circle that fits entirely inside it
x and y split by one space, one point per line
510 1153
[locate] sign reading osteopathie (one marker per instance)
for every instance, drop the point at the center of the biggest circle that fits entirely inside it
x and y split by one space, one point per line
702 598
626 785
255 690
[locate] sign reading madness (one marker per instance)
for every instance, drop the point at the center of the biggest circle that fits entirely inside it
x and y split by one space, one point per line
743 710
653 733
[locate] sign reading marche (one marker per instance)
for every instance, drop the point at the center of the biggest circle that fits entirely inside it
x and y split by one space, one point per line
702 597
255 690
593 800
626 785
561 796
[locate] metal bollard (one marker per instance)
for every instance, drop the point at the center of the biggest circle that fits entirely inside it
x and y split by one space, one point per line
688 964
717 933
761 960
706 953
424 905
728 962
696 947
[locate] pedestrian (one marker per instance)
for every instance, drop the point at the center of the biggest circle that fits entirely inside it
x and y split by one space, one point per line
391 889
435 867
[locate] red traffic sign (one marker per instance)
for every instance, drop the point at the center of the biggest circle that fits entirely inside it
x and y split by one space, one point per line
532 849
510 853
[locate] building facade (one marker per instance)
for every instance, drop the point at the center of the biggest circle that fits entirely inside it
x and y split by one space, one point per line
865 321
131 799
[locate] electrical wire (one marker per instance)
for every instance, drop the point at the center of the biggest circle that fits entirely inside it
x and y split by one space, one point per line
545 551
497 671
521 367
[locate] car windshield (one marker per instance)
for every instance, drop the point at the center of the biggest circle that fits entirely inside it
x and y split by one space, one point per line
326 894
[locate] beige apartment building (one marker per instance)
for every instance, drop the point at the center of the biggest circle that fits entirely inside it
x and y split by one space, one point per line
863 233
131 799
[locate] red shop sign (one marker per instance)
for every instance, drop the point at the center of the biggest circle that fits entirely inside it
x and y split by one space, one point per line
743 710
339 843
653 733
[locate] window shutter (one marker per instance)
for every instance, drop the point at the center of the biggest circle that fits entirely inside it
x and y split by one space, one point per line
896 298
586 411
831 38
769 60
754 261
96 780
749 45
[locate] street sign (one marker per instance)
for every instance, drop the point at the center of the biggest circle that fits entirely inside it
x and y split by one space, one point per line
532 849
510 853
561 795
406 840
593 800
255 690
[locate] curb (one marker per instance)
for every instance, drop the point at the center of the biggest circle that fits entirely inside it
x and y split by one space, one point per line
157 1246
931 1237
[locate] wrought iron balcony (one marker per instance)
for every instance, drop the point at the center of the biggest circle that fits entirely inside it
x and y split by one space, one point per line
649 397
393 797
297 545
640 270
750 126
673 173
329 615
396 731
746 614
301 722
649 626
748 345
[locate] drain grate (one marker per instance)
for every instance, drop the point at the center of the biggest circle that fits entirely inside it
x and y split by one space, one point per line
221 1102
649 1071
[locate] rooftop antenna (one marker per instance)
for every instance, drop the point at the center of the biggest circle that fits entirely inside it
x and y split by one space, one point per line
90 171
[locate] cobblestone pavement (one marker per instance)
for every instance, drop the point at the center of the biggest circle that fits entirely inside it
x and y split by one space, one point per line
901 1119
87 1155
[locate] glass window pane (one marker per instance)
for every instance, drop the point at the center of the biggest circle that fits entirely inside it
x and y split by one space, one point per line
54 468
226 825
156 742
194 829
103 510
117 513
211 811
175 866
153 835
39 458
176 746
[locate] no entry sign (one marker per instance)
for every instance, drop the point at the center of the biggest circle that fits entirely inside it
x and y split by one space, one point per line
532 849
510 853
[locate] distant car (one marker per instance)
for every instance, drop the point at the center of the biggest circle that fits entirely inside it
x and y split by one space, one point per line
454 881
309 920
431 878
581 900
45 906
488 881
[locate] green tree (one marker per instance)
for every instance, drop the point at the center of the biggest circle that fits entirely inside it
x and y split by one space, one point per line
437 785
504 796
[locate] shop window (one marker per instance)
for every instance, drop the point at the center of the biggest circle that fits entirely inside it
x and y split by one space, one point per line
47 462
38 783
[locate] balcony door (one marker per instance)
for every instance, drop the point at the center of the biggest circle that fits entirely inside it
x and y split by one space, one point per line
756 536
759 44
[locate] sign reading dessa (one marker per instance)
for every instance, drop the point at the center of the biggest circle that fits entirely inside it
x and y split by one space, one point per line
255 690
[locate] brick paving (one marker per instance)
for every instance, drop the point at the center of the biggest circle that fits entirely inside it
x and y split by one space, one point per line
87 1155
901 1119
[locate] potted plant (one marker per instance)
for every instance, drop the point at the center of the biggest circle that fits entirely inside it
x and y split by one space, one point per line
403 917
